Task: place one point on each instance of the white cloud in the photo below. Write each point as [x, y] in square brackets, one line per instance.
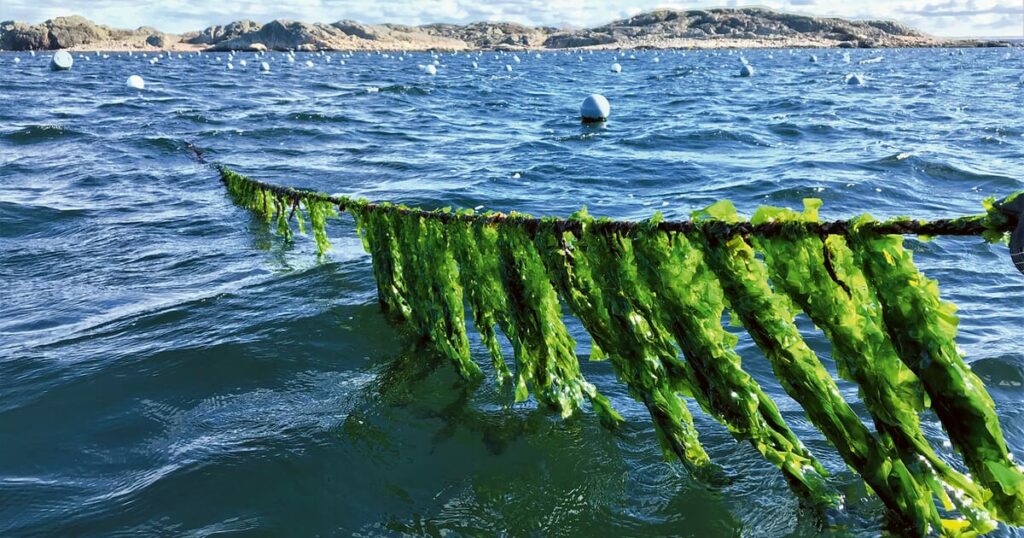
[940, 17]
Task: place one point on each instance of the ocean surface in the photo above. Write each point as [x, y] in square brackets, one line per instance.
[170, 368]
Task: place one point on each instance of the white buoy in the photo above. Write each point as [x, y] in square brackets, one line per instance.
[616, 68]
[17, 60]
[515, 58]
[474, 65]
[265, 67]
[136, 82]
[855, 79]
[814, 59]
[309, 63]
[230, 66]
[430, 69]
[242, 63]
[656, 59]
[595, 108]
[61, 61]
[747, 70]
[291, 59]
[508, 67]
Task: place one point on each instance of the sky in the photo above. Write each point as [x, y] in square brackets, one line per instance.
[955, 18]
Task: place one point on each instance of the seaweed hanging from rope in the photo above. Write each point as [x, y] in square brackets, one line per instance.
[769, 321]
[923, 330]
[652, 295]
[641, 355]
[545, 352]
[821, 277]
[690, 304]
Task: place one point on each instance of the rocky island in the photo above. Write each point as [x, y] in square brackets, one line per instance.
[663, 28]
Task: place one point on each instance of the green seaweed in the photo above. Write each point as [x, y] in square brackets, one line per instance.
[996, 220]
[641, 353]
[545, 352]
[273, 207]
[923, 329]
[768, 320]
[319, 211]
[432, 288]
[823, 280]
[475, 248]
[690, 302]
[376, 231]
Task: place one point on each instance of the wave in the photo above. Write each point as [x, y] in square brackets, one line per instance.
[933, 168]
[40, 133]
[404, 89]
[696, 139]
[318, 117]
[163, 144]
[20, 220]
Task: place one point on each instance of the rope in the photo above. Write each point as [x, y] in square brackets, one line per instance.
[1010, 211]
[962, 226]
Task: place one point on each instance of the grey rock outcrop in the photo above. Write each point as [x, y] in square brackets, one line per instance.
[72, 32]
[66, 32]
[746, 23]
[216, 34]
[284, 35]
[22, 36]
[485, 35]
[57, 33]
[744, 27]
[372, 32]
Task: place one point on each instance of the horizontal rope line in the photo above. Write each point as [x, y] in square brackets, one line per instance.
[962, 226]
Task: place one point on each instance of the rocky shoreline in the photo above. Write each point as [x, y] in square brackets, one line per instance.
[663, 28]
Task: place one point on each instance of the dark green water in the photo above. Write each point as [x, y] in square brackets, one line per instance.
[169, 368]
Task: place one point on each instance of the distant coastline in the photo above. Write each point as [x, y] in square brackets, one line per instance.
[659, 29]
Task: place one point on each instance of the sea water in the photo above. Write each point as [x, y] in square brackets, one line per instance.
[168, 367]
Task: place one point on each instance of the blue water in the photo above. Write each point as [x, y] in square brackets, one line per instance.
[168, 367]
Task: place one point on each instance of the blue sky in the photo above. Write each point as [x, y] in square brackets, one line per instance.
[939, 17]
